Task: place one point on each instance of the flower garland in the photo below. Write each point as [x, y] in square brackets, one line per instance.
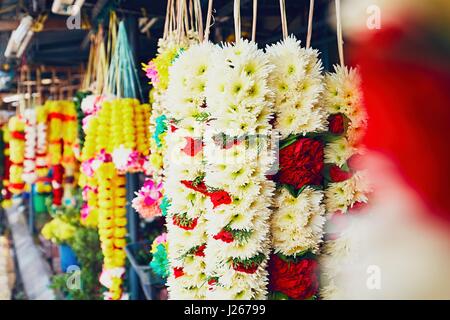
[6, 193]
[112, 223]
[239, 102]
[130, 138]
[16, 127]
[186, 233]
[298, 218]
[62, 137]
[43, 183]
[29, 164]
[157, 70]
[347, 189]
[104, 196]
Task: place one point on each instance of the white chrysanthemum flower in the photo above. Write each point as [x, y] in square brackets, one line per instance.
[343, 93]
[338, 151]
[297, 83]
[340, 196]
[297, 224]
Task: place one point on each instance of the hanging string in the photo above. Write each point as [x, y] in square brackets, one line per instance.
[166, 22]
[171, 16]
[340, 39]
[255, 14]
[310, 23]
[284, 27]
[208, 20]
[186, 19]
[192, 24]
[199, 19]
[237, 20]
[179, 19]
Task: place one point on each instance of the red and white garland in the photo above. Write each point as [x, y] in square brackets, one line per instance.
[29, 164]
[237, 154]
[297, 83]
[186, 224]
[347, 189]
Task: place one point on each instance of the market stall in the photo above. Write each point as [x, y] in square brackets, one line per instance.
[192, 150]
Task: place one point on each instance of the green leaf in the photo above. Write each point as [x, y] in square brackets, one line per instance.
[276, 295]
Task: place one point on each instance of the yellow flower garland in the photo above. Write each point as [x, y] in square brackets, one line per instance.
[16, 149]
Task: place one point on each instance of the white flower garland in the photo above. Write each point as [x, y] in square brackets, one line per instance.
[297, 83]
[240, 105]
[29, 164]
[297, 223]
[342, 96]
[186, 233]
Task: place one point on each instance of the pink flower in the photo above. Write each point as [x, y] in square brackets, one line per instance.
[152, 73]
[103, 156]
[162, 238]
[86, 167]
[85, 211]
[148, 199]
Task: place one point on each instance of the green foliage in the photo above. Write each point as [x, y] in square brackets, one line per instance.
[85, 243]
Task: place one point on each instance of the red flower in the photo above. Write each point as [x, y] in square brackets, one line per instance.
[190, 226]
[178, 272]
[246, 269]
[193, 146]
[225, 236]
[358, 206]
[219, 197]
[336, 124]
[339, 175]
[297, 280]
[301, 163]
[200, 187]
[18, 135]
[200, 251]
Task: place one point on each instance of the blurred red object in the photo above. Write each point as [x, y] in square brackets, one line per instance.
[406, 87]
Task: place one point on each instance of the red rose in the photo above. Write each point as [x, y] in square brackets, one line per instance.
[219, 197]
[336, 124]
[192, 147]
[297, 280]
[178, 272]
[339, 175]
[301, 163]
[225, 236]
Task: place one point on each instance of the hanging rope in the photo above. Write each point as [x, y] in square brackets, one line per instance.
[255, 15]
[123, 76]
[310, 23]
[284, 27]
[237, 20]
[208, 20]
[166, 22]
[340, 39]
[199, 17]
